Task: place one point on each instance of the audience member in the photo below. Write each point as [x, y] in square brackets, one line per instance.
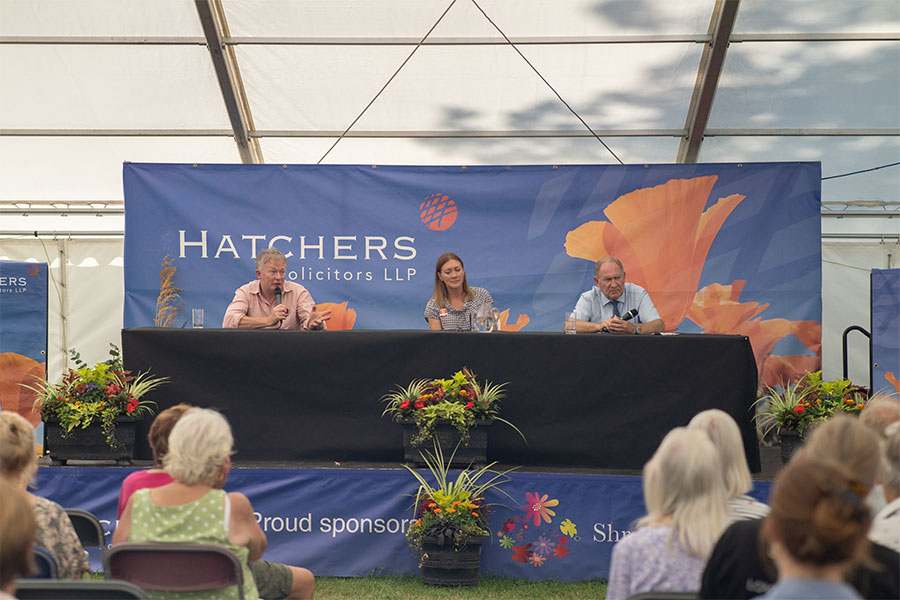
[274, 581]
[55, 533]
[726, 437]
[880, 412]
[740, 567]
[886, 524]
[18, 528]
[816, 530]
[686, 510]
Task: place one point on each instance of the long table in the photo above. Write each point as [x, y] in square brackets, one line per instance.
[590, 401]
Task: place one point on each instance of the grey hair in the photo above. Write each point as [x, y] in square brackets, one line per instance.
[726, 437]
[608, 259]
[854, 448]
[683, 480]
[268, 255]
[198, 446]
[880, 411]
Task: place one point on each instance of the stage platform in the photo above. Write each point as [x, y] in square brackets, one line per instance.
[349, 519]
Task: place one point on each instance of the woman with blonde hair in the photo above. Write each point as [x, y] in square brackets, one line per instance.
[18, 529]
[18, 463]
[723, 432]
[454, 303]
[194, 507]
[685, 499]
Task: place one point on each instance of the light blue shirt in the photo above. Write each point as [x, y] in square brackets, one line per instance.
[800, 589]
[595, 307]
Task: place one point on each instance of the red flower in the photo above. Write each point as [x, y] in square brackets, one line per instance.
[129, 408]
[509, 525]
[560, 551]
[419, 403]
[522, 553]
[404, 404]
[799, 410]
[470, 405]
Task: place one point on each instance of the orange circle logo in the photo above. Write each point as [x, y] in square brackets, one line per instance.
[438, 212]
[33, 270]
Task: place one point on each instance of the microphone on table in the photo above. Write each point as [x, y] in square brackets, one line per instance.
[626, 317]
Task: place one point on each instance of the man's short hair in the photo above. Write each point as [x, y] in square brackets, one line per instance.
[602, 261]
[267, 255]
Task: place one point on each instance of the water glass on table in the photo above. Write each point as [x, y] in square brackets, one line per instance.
[197, 318]
[569, 323]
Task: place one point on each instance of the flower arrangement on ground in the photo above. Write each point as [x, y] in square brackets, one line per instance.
[451, 512]
[459, 399]
[102, 392]
[809, 401]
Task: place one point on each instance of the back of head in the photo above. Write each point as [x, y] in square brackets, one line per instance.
[843, 440]
[817, 514]
[18, 527]
[198, 445]
[726, 437]
[880, 412]
[683, 481]
[891, 472]
[161, 428]
[17, 454]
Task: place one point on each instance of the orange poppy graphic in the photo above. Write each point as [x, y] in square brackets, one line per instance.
[438, 212]
[662, 235]
[342, 318]
[521, 321]
[716, 309]
[16, 369]
[893, 381]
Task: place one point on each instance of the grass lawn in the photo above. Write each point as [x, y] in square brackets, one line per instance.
[410, 588]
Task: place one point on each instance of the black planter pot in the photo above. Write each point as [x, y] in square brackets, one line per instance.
[473, 452]
[89, 443]
[451, 565]
[790, 441]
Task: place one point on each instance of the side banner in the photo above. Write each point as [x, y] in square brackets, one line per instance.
[351, 522]
[886, 331]
[721, 248]
[23, 344]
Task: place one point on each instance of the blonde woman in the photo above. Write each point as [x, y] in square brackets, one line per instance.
[18, 463]
[723, 432]
[454, 303]
[19, 527]
[685, 499]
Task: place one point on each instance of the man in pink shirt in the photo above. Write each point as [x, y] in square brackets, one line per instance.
[270, 302]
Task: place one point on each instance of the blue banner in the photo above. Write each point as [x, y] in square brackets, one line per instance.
[721, 248]
[352, 522]
[23, 345]
[886, 331]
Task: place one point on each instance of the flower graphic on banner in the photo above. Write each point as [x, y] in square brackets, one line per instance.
[438, 212]
[16, 369]
[521, 322]
[342, 318]
[662, 235]
[893, 381]
[717, 310]
[534, 538]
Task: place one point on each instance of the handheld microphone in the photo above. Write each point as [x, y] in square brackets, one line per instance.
[277, 295]
[626, 317]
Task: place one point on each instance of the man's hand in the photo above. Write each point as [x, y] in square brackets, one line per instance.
[617, 325]
[317, 319]
[278, 314]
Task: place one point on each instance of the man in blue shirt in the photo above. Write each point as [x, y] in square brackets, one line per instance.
[600, 308]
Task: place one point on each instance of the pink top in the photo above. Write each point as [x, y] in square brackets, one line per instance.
[248, 302]
[138, 481]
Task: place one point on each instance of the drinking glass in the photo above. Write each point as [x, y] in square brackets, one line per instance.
[569, 323]
[197, 318]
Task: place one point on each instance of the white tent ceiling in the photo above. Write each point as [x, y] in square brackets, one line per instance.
[89, 84]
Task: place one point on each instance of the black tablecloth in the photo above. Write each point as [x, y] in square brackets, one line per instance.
[594, 401]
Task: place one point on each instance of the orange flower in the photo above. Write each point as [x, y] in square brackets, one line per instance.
[419, 522]
[474, 514]
[662, 235]
[521, 321]
[437, 510]
[893, 381]
[780, 370]
[450, 510]
[342, 318]
[15, 369]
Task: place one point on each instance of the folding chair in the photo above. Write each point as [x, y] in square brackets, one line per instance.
[174, 567]
[45, 563]
[90, 531]
[54, 589]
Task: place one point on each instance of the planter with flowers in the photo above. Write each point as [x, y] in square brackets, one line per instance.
[456, 412]
[451, 525]
[792, 409]
[90, 414]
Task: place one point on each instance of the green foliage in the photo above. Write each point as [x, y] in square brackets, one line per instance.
[410, 587]
[91, 393]
[451, 510]
[459, 399]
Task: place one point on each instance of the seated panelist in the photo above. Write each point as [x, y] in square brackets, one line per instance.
[270, 302]
[613, 306]
[454, 303]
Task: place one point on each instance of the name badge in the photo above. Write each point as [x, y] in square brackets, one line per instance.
[443, 312]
